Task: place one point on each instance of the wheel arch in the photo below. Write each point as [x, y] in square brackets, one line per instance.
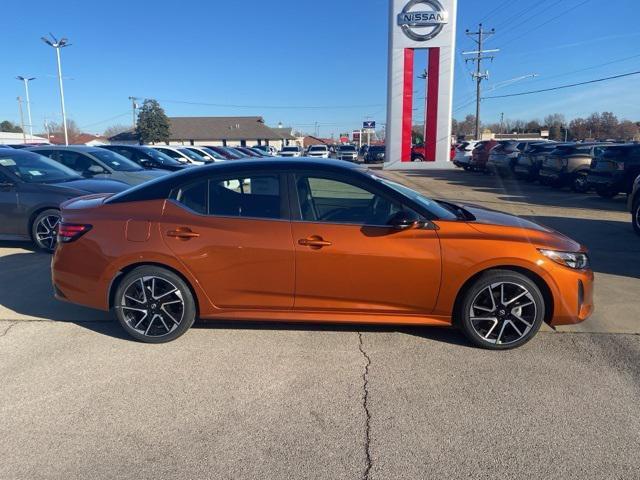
[530, 274]
[117, 279]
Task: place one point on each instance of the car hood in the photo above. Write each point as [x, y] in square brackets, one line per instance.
[498, 224]
[140, 176]
[86, 186]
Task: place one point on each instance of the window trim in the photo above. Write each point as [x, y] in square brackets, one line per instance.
[285, 211]
[296, 212]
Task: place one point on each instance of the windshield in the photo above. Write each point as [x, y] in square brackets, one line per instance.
[162, 158]
[376, 149]
[193, 156]
[115, 161]
[290, 149]
[347, 148]
[212, 153]
[431, 205]
[33, 168]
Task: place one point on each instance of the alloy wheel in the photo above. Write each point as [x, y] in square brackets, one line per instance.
[152, 306]
[47, 230]
[503, 313]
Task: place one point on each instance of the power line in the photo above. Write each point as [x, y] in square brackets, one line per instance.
[528, 18]
[105, 121]
[285, 107]
[488, 15]
[520, 13]
[565, 86]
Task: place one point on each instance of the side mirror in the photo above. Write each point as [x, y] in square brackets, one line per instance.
[94, 170]
[145, 163]
[404, 220]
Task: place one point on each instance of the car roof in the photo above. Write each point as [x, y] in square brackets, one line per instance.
[72, 148]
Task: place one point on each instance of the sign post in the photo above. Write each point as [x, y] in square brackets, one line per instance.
[416, 26]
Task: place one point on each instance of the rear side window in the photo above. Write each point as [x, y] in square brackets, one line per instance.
[194, 196]
[255, 196]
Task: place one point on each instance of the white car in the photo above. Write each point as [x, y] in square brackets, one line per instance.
[463, 154]
[291, 151]
[182, 154]
[268, 149]
[318, 151]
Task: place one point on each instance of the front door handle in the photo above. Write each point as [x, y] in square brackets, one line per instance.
[314, 241]
[182, 234]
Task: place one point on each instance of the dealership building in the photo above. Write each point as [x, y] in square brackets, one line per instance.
[220, 131]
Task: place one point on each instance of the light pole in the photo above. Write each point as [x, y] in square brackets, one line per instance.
[58, 44]
[26, 81]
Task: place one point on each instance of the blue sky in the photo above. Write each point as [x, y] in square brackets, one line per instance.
[288, 53]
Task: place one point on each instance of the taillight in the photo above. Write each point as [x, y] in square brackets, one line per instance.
[68, 232]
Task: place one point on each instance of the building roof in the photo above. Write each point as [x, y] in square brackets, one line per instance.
[221, 128]
[311, 140]
[284, 133]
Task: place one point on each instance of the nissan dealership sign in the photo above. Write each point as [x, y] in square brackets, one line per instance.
[422, 20]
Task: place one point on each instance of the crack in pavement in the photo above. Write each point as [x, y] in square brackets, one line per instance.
[365, 406]
[6, 330]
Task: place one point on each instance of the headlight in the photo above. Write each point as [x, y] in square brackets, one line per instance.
[575, 260]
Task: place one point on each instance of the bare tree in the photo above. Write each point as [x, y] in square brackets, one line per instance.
[115, 130]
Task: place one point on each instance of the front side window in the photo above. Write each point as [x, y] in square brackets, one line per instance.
[335, 201]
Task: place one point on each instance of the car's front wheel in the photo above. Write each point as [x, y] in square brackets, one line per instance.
[502, 309]
[579, 182]
[154, 305]
[44, 229]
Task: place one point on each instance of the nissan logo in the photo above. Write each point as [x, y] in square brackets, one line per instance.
[422, 25]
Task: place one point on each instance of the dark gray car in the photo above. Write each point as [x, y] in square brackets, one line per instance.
[32, 187]
[99, 163]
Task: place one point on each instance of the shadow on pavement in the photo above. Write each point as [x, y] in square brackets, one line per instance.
[512, 190]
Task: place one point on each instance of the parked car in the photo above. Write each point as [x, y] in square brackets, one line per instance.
[290, 151]
[480, 155]
[503, 157]
[248, 152]
[225, 152]
[260, 153]
[614, 169]
[495, 276]
[362, 151]
[419, 152]
[634, 205]
[207, 154]
[270, 150]
[568, 165]
[462, 156]
[346, 152]
[32, 187]
[374, 154]
[529, 161]
[146, 157]
[318, 151]
[181, 154]
[99, 163]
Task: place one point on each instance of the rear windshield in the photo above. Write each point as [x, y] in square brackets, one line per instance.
[290, 149]
[318, 147]
[376, 149]
[347, 148]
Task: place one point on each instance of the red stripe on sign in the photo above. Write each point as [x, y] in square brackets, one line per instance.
[407, 105]
[431, 133]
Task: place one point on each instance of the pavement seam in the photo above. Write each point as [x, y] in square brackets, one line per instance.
[365, 406]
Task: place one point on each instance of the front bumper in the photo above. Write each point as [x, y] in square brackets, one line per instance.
[573, 299]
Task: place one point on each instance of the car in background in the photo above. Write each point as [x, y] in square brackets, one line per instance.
[462, 156]
[614, 169]
[225, 152]
[503, 156]
[26, 145]
[270, 150]
[318, 151]
[260, 153]
[568, 165]
[495, 276]
[529, 161]
[181, 154]
[346, 152]
[99, 163]
[480, 155]
[290, 151]
[247, 152]
[32, 187]
[374, 154]
[634, 205]
[206, 153]
[146, 157]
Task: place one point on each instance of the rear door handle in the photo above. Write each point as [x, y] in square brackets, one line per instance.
[315, 241]
[182, 234]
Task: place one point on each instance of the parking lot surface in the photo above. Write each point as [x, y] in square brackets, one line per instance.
[79, 399]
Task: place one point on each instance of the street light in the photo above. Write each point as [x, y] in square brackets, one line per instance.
[58, 44]
[26, 81]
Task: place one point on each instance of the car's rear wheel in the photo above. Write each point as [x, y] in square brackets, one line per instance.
[154, 305]
[636, 216]
[502, 309]
[44, 229]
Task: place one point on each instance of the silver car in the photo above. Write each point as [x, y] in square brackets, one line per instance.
[99, 163]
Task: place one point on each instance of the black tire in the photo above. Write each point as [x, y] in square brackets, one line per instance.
[44, 230]
[635, 216]
[579, 182]
[505, 325]
[158, 323]
[606, 192]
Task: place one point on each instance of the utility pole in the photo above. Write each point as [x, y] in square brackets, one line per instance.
[46, 128]
[478, 75]
[501, 122]
[134, 107]
[57, 45]
[24, 135]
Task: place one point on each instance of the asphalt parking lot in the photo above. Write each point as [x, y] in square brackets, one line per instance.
[79, 399]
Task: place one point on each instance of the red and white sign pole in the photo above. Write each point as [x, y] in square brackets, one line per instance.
[420, 27]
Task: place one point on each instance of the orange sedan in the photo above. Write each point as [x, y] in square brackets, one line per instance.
[313, 241]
